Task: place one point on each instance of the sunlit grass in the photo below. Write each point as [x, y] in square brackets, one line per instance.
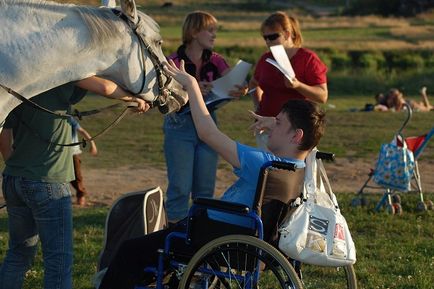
[392, 251]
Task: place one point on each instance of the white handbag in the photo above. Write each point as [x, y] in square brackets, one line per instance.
[316, 232]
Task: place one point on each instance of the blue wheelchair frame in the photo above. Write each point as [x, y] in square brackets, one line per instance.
[220, 206]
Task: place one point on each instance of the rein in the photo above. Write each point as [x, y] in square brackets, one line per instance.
[76, 113]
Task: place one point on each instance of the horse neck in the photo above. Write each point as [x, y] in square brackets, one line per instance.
[50, 46]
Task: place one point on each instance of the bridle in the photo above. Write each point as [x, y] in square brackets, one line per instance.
[164, 93]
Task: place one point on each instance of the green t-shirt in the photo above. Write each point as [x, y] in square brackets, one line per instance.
[35, 153]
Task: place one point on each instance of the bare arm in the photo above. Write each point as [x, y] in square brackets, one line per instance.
[256, 94]
[315, 93]
[6, 140]
[110, 89]
[93, 149]
[205, 126]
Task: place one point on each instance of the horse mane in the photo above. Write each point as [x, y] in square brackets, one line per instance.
[100, 24]
[99, 21]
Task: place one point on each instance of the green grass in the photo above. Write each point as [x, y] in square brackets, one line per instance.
[392, 251]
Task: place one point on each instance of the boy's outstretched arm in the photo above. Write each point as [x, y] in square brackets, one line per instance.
[206, 128]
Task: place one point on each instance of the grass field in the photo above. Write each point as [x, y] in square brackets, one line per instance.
[393, 251]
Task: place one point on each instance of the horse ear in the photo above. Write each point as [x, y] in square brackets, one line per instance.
[128, 7]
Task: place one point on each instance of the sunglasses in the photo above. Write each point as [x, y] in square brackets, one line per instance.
[271, 37]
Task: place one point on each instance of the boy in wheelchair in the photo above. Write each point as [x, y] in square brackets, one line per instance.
[293, 133]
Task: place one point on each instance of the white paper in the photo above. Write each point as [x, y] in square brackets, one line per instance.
[219, 94]
[236, 76]
[281, 61]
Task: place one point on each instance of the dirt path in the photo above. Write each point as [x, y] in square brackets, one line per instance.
[105, 185]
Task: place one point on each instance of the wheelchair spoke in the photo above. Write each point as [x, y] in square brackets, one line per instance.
[246, 263]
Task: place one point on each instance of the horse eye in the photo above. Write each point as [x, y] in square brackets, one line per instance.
[159, 42]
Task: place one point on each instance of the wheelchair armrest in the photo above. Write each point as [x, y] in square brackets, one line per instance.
[222, 205]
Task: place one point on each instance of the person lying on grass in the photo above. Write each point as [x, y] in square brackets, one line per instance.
[293, 133]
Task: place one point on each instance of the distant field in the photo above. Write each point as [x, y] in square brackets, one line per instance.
[240, 21]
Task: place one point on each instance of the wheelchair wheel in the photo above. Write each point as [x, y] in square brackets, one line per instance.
[235, 261]
[314, 276]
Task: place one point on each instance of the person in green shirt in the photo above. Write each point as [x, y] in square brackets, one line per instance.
[36, 181]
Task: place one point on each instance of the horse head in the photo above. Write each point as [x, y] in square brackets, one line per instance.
[157, 87]
[57, 43]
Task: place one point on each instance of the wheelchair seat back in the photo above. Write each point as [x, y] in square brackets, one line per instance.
[277, 185]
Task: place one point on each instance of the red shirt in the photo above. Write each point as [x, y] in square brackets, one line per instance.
[308, 69]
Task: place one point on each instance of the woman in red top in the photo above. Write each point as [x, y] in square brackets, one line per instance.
[273, 89]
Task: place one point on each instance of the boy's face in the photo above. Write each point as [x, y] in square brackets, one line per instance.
[282, 135]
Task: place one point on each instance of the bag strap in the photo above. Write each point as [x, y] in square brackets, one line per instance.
[316, 180]
[328, 190]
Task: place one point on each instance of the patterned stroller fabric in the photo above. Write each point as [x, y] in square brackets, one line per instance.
[395, 166]
[390, 174]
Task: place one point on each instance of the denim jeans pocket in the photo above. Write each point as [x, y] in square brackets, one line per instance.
[41, 192]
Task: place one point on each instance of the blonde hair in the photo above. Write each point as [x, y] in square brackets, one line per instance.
[279, 20]
[194, 23]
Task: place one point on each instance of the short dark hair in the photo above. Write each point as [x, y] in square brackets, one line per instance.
[306, 115]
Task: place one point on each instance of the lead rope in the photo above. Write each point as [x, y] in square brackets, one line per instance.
[76, 113]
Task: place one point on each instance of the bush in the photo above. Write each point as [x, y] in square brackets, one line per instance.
[340, 60]
[371, 61]
[407, 60]
[325, 58]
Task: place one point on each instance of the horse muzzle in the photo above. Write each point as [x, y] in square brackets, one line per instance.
[171, 99]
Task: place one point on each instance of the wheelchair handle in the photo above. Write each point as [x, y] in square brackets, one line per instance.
[325, 156]
[281, 165]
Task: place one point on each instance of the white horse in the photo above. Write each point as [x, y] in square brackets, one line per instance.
[46, 44]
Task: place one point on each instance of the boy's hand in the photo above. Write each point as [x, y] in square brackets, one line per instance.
[179, 74]
[262, 123]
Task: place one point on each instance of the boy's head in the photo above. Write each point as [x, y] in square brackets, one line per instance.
[300, 123]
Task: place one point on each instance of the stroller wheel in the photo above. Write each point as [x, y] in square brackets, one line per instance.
[365, 202]
[421, 207]
[429, 205]
[390, 209]
[398, 208]
[396, 199]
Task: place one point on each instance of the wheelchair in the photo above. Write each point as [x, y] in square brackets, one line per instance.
[233, 255]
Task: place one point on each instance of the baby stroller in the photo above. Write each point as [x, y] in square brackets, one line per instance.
[390, 199]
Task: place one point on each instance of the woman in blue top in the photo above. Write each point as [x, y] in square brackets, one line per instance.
[293, 133]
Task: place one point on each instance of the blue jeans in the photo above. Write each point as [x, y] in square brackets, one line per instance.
[191, 166]
[37, 210]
